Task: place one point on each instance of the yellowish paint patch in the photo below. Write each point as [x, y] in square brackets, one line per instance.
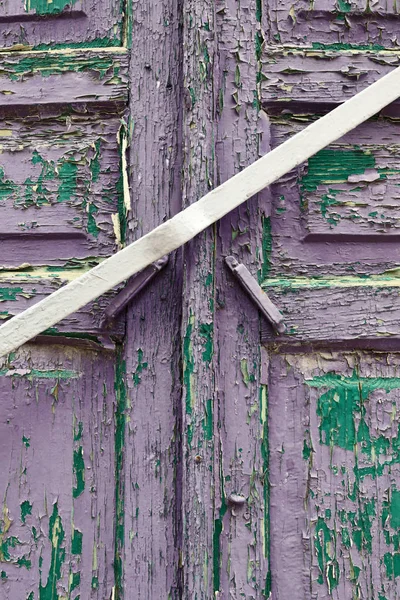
[125, 181]
[94, 558]
[25, 51]
[6, 132]
[16, 274]
[117, 227]
[341, 282]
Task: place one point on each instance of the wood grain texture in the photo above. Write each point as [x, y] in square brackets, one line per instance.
[60, 179]
[241, 533]
[331, 267]
[225, 436]
[181, 228]
[20, 291]
[338, 211]
[61, 199]
[60, 189]
[332, 23]
[57, 488]
[149, 479]
[200, 471]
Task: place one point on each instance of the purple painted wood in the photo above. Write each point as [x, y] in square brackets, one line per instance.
[241, 418]
[150, 546]
[327, 22]
[201, 475]
[61, 199]
[58, 176]
[44, 24]
[226, 546]
[334, 474]
[84, 77]
[57, 445]
[331, 265]
[142, 470]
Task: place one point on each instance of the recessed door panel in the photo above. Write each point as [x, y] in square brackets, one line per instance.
[60, 187]
[43, 24]
[334, 475]
[57, 473]
[333, 24]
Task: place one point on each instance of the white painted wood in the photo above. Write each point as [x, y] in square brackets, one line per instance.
[185, 225]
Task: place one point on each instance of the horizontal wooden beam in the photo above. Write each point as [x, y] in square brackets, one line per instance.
[63, 76]
[188, 223]
[336, 309]
[309, 76]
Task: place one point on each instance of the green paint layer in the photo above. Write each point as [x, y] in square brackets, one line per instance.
[56, 537]
[120, 424]
[334, 166]
[26, 509]
[79, 472]
[48, 7]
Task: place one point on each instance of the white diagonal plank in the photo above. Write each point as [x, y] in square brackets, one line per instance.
[185, 225]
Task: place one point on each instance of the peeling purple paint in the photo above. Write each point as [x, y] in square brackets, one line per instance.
[43, 24]
[143, 456]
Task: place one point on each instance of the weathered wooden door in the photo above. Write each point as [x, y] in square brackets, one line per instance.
[331, 265]
[63, 92]
[187, 451]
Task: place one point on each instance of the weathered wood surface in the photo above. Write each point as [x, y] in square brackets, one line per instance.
[61, 203]
[57, 487]
[61, 23]
[225, 547]
[334, 24]
[63, 199]
[334, 474]
[333, 310]
[241, 532]
[331, 260]
[320, 76]
[200, 480]
[64, 76]
[26, 288]
[337, 210]
[167, 463]
[183, 227]
[149, 458]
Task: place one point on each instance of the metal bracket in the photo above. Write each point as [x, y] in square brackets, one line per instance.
[132, 288]
[257, 294]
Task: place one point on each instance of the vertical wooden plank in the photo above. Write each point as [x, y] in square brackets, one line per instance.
[198, 304]
[149, 417]
[241, 531]
[225, 445]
